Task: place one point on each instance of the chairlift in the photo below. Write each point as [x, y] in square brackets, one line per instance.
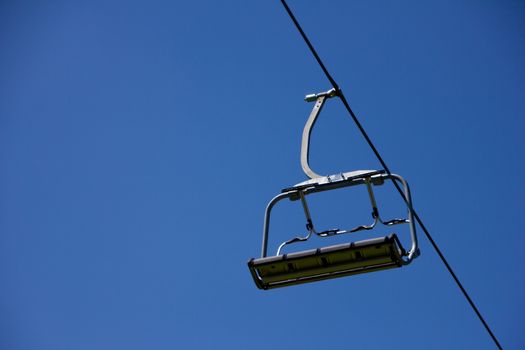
[339, 260]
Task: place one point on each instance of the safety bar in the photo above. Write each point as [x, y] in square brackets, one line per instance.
[301, 190]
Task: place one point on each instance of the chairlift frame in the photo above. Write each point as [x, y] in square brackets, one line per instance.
[339, 260]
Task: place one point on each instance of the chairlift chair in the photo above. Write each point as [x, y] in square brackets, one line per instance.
[333, 261]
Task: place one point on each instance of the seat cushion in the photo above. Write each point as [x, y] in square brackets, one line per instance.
[328, 262]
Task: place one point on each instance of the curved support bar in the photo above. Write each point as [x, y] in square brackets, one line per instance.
[395, 222]
[294, 240]
[364, 227]
[309, 225]
[267, 213]
[414, 250]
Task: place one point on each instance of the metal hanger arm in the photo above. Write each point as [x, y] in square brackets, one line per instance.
[307, 131]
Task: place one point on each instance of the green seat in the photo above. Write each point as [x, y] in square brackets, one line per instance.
[328, 262]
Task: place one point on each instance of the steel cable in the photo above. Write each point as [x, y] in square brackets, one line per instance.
[387, 170]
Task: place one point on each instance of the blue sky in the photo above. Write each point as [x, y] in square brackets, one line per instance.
[140, 143]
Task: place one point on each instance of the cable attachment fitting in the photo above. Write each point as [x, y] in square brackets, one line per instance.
[329, 94]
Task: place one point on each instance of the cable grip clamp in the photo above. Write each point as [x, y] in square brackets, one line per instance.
[330, 93]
